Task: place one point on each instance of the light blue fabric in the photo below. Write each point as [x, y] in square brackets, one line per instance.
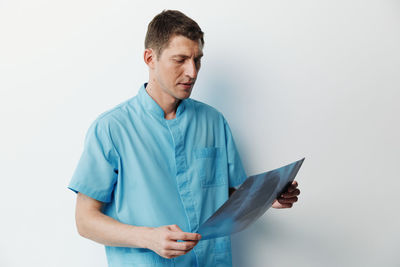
[150, 171]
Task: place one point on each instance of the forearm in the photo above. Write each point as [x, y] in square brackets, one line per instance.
[108, 231]
[95, 225]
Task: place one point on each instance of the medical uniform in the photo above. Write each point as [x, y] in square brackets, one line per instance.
[150, 171]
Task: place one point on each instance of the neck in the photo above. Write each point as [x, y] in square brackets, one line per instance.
[168, 103]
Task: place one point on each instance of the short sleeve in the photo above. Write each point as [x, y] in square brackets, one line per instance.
[97, 169]
[236, 172]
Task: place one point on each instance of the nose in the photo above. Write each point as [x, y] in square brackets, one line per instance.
[191, 69]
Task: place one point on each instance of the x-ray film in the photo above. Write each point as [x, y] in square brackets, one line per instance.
[251, 200]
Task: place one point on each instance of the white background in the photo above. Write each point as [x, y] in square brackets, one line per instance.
[318, 79]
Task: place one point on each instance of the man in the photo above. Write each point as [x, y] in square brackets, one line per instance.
[159, 164]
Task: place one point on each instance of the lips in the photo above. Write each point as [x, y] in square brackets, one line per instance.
[186, 85]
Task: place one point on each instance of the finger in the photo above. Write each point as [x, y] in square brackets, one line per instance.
[192, 236]
[184, 236]
[182, 246]
[286, 206]
[294, 193]
[169, 254]
[293, 186]
[174, 227]
[287, 200]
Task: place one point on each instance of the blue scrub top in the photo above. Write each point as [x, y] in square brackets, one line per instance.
[150, 171]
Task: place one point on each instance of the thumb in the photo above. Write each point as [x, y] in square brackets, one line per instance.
[175, 228]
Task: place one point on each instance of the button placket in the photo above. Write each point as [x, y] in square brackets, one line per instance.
[182, 179]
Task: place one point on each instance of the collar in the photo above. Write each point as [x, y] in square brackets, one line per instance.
[149, 104]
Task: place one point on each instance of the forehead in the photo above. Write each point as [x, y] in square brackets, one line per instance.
[181, 45]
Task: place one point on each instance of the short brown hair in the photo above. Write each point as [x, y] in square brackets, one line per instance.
[167, 24]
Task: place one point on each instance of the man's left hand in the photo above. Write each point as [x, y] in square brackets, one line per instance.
[288, 198]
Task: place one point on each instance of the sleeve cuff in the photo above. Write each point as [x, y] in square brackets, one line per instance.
[98, 195]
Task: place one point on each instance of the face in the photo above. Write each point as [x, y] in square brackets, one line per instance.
[175, 71]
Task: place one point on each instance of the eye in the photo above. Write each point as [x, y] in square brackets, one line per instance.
[197, 62]
[180, 61]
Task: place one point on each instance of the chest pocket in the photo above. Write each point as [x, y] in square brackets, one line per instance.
[209, 162]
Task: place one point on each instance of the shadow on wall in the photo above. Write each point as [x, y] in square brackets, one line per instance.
[273, 243]
[219, 89]
[270, 241]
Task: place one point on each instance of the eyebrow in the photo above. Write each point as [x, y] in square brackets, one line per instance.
[185, 56]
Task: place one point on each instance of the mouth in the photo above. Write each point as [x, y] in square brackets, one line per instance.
[187, 85]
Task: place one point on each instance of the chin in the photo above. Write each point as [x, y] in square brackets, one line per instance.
[186, 96]
[183, 95]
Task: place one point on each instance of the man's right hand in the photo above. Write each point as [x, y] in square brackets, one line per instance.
[95, 225]
[164, 241]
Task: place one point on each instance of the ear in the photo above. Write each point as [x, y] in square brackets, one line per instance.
[149, 57]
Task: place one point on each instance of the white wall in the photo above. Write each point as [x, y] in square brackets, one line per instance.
[318, 79]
